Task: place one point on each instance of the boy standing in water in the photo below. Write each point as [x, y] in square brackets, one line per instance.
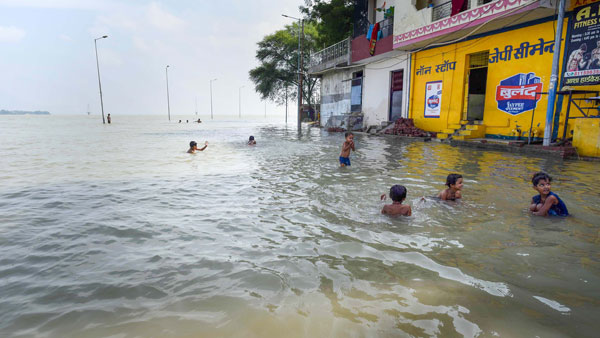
[455, 184]
[251, 141]
[546, 203]
[346, 148]
[398, 195]
[194, 147]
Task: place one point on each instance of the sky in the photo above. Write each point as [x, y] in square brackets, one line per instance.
[47, 59]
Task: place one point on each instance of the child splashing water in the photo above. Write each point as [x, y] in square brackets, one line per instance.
[398, 195]
[453, 192]
[546, 203]
[194, 147]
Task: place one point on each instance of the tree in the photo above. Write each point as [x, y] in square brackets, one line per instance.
[333, 19]
[278, 69]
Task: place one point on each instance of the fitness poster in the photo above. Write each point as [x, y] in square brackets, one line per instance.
[583, 47]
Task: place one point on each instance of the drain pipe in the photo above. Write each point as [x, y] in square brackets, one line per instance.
[554, 76]
[408, 84]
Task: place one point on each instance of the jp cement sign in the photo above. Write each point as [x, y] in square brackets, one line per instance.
[517, 94]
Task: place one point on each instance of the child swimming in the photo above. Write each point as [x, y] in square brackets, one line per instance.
[251, 141]
[398, 195]
[346, 148]
[546, 203]
[194, 147]
[455, 184]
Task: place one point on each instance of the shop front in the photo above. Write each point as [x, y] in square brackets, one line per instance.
[490, 86]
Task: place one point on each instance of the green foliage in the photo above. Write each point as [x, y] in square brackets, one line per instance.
[277, 54]
[333, 19]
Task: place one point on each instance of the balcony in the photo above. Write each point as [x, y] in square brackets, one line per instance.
[360, 44]
[445, 10]
[337, 55]
[434, 23]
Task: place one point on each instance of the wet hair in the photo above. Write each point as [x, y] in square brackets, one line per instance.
[347, 134]
[452, 179]
[251, 138]
[537, 177]
[193, 143]
[397, 193]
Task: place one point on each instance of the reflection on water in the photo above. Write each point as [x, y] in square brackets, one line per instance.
[116, 231]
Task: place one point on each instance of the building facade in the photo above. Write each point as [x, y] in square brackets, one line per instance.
[484, 71]
[466, 69]
[363, 76]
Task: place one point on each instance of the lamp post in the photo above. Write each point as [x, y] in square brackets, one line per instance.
[300, 66]
[286, 105]
[240, 101]
[168, 101]
[98, 68]
[211, 101]
[554, 77]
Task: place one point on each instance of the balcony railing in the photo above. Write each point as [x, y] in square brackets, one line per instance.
[445, 10]
[330, 56]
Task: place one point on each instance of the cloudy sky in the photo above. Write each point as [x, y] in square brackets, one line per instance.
[47, 57]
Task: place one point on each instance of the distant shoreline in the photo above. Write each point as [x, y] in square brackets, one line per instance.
[22, 112]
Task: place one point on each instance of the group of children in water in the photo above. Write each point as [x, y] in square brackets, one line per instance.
[546, 203]
[194, 145]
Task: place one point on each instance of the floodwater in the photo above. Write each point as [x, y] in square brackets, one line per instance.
[116, 231]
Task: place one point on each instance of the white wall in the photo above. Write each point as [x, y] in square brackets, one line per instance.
[376, 88]
[375, 16]
[408, 18]
[335, 93]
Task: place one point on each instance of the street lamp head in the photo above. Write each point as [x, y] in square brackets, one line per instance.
[104, 36]
[168, 66]
[291, 17]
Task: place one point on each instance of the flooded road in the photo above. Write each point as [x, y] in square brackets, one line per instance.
[116, 231]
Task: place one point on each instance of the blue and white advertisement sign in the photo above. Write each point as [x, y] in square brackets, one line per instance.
[433, 99]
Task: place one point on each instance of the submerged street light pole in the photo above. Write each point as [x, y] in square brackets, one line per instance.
[168, 101]
[98, 68]
[211, 103]
[240, 101]
[300, 67]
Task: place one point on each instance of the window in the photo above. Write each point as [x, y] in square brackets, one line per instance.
[356, 93]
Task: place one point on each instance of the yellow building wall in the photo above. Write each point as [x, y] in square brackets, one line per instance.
[586, 137]
[453, 103]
